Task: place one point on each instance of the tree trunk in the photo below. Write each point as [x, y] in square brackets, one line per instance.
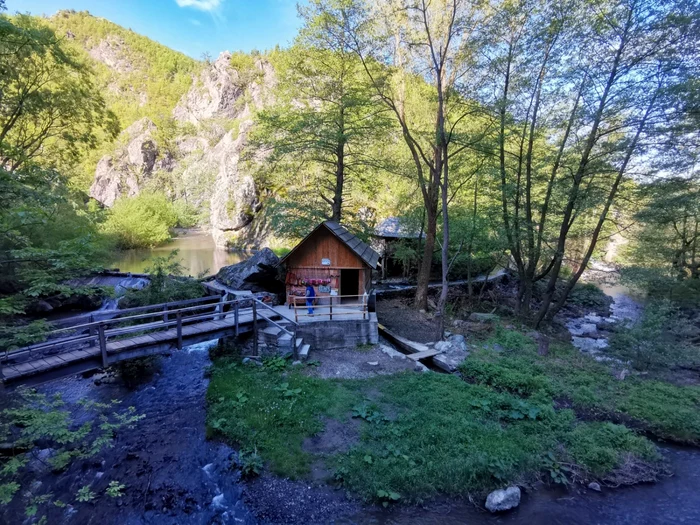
[427, 262]
[339, 174]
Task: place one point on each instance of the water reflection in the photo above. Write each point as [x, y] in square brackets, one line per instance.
[196, 251]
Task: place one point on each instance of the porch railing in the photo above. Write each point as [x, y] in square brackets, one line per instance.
[323, 310]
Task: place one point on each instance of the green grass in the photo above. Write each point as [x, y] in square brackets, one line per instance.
[666, 410]
[422, 434]
[248, 405]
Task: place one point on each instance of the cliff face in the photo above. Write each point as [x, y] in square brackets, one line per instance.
[205, 162]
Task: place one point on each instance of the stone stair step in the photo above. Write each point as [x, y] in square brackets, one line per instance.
[304, 352]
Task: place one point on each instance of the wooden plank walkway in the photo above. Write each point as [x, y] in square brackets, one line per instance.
[138, 345]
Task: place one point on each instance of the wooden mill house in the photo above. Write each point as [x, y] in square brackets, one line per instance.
[336, 263]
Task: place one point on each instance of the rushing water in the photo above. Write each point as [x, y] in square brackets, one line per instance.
[196, 251]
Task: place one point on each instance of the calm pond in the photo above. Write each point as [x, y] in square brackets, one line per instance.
[196, 251]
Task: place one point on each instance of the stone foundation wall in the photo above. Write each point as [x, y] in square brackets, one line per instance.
[327, 335]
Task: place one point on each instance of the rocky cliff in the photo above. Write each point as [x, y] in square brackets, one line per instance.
[205, 165]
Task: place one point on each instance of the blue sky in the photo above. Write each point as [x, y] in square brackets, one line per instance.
[190, 26]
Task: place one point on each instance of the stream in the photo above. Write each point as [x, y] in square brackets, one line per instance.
[174, 475]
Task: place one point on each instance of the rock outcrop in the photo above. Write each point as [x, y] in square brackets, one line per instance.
[112, 53]
[213, 94]
[219, 108]
[123, 173]
[257, 274]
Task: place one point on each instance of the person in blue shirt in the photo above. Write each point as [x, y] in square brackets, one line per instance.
[310, 296]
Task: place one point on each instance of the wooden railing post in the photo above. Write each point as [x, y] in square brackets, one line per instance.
[165, 313]
[235, 315]
[103, 343]
[221, 306]
[179, 330]
[255, 327]
[92, 330]
[331, 314]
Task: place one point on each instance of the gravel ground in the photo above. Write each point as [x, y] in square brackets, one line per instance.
[400, 317]
[357, 363]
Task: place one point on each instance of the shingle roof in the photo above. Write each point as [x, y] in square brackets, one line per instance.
[395, 228]
[360, 248]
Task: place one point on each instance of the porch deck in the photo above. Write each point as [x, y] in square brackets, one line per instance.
[322, 313]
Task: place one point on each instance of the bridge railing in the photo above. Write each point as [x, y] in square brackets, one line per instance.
[154, 318]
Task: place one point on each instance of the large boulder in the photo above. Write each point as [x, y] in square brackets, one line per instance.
[452, 352]
[503, 499]
[257, 274]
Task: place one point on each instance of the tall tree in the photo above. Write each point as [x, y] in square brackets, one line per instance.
[416, 45]
[50, 107]
[50, 113]
[323, 126]
[580, 86]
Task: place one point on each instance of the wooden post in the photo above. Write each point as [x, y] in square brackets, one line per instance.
[165, 313]
[235, 315]
[221, 306]
[331, 314]
[296, 312]
[92, 330]
[103, 343]
[364, 306]
[294, 343]
[179, 330]
[255, 328]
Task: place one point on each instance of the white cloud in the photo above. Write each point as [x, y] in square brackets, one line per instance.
[202, 5]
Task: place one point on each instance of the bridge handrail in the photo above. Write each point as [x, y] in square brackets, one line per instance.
[96, 326]
[288, 332]
[159, 306]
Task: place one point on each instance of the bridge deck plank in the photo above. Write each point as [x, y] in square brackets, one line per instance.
[39, 365]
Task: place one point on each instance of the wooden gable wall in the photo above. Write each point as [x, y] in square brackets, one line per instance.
[322, 244]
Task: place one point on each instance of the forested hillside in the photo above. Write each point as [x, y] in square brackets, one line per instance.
[137, 76]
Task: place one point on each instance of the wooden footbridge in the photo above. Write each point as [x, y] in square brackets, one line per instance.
[111, 336]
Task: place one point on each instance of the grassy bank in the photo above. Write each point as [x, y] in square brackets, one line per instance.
[514, 417]
[566, 377]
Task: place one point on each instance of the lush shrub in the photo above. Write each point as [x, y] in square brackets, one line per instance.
[659, 284]
[187, 215]
[168, 283]
[588, 295]
[142, 221]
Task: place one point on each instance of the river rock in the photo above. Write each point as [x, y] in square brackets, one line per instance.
[458, 341]
[483, 317]
[452, 353]
[259, 273]
[391, 352]
[594, 486]
[503, 499]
